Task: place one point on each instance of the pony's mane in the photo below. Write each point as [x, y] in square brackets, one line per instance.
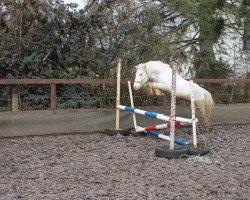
[158, 64]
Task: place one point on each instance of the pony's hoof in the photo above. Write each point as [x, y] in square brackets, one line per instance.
[158, 92]
[206, 130]
[150, 94]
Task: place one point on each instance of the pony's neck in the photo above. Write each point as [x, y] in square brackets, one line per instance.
[157, 71]
[152, 74]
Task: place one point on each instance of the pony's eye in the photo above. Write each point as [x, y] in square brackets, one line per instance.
[140, 74]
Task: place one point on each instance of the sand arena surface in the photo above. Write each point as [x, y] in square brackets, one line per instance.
[98, 166]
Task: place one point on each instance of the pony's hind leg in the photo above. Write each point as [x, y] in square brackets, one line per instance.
[200, 104]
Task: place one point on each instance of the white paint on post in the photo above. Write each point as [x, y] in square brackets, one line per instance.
[118, 95]
[132, 103]
[173, 105]
[194, 120]
[15, 95]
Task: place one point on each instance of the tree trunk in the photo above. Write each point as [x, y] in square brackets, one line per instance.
[206, 39]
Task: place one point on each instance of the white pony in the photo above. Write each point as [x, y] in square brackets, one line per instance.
[158, 77]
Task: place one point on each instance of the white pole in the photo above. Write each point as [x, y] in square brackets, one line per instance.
[193, 114]
[154, 115]
[132, 103]
[173, 105]
[118, 94]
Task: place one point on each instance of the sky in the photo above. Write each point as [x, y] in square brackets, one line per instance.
[79, 2]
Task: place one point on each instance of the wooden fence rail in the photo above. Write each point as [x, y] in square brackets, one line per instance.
[100, 81]
[54, 82]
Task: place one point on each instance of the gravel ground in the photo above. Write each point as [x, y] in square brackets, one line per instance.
[98, 166]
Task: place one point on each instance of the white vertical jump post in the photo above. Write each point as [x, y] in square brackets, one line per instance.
[193, 114]
[132, 103]
[118, 93]
[173, 105]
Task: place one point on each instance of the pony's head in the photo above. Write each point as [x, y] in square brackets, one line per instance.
[141, 76]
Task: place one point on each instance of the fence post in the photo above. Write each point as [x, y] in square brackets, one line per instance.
[118, 94]
[53, 97]
[247, 88]
[15, 99]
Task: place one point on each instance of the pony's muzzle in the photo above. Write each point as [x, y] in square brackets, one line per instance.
[137, 86]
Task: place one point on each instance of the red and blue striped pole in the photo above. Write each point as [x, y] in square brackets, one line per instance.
[159, 127]
[153, 115]
[164, 137]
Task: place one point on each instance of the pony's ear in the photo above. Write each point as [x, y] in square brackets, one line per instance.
[141, 66]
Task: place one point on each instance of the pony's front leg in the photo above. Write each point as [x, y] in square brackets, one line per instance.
[150, 88]
[155, 89]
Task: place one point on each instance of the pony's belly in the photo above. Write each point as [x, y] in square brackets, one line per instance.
[183, 95]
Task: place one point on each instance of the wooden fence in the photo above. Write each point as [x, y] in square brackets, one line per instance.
[54, 82]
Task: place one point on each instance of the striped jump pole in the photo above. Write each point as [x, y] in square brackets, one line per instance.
[152, 114]
[164, 137]
[159, 127]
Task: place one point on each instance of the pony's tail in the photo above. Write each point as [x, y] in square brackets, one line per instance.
[209, 103]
